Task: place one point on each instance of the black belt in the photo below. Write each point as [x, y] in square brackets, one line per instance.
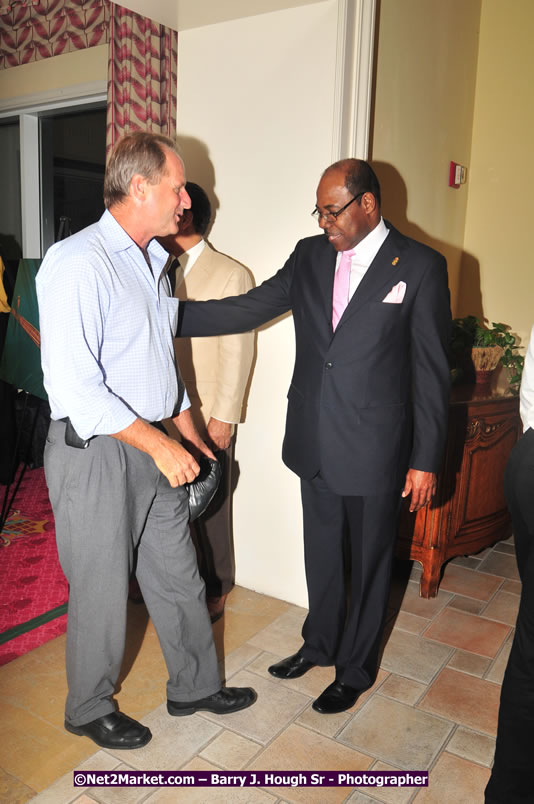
[72, 439]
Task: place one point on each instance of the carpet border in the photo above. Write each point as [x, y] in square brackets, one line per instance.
[30, 625]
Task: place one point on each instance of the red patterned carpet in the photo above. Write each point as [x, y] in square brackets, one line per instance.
[34, 590]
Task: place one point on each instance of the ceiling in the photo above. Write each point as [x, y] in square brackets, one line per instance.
[183, 14]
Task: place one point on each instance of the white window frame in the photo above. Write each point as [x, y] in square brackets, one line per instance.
[28, 109]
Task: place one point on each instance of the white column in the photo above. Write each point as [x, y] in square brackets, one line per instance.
[353, 82]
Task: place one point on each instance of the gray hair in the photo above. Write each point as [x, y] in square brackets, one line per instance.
[141, 152]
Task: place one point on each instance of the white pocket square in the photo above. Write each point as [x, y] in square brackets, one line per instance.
[396, 294]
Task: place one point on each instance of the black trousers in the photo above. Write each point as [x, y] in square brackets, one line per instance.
[344, 625]
[512, 776]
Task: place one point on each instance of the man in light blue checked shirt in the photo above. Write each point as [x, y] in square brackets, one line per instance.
[116, 480]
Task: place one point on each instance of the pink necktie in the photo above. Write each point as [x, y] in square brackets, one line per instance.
[340, 297]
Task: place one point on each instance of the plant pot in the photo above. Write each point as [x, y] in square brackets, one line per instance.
[483, 377]
[486, 358]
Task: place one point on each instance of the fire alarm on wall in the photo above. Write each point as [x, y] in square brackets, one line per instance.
[457, 175]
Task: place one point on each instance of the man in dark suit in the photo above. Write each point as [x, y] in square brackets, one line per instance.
[367, 409]
[512, 774]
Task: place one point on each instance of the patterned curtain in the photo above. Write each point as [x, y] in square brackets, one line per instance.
[142, 74]
[142, 55]
[31, 30]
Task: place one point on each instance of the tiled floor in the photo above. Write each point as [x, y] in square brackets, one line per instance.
[434, 705]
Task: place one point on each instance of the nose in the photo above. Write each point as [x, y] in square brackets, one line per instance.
[185, 199]
[322, 220]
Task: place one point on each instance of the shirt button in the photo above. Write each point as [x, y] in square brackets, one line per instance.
[328, 365]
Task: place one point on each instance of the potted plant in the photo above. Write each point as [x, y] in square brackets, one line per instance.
[478, 349]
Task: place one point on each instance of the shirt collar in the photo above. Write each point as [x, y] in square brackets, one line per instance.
[367, 249]
[120, 240]
[113, 232]
[189, 257]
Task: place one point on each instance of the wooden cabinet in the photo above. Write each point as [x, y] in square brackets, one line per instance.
[469, 510]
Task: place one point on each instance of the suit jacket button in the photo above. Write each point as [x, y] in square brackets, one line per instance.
[328, 365]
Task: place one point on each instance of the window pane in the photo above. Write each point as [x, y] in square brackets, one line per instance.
[73, 157]
[10, 217]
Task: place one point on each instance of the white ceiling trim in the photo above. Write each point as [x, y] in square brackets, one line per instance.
[38, 102]
[184, 14]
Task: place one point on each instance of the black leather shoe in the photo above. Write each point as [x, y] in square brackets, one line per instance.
[113, 731]
[292, 667]
[336, 698]
[228, 699]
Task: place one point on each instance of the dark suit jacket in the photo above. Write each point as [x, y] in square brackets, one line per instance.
[370, 400]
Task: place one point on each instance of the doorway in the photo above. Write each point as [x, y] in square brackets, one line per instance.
[73, 161]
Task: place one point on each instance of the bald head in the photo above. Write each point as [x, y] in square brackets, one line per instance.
[348, 203]
[359, 177]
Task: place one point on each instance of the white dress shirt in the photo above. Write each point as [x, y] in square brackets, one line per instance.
[526, 393]
[189, 257]
[107, 325]
[364, 254]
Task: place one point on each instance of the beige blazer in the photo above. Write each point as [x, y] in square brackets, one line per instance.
[215, 370]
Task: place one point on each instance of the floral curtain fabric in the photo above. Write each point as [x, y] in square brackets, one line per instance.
[31, 30]
[142, 62]
[141, 76]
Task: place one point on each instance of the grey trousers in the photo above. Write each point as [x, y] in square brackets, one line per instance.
[108, 499]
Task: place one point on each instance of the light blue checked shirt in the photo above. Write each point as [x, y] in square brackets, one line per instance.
[107, 328]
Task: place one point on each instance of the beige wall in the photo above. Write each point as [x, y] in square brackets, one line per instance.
[424, 96]
[499, 275]
[255, 127]
[57, 73]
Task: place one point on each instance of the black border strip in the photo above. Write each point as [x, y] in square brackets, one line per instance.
[23, 628]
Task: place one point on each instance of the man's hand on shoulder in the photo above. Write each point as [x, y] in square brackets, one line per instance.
[421, 485]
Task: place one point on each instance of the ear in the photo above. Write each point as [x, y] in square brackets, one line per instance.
[368, 203]
[138, 187]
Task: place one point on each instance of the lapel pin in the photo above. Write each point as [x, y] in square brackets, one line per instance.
[395, 261]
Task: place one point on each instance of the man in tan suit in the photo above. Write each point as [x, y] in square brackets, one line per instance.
[216, 372]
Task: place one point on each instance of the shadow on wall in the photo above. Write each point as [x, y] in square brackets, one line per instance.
[464, 268]
[200, 169]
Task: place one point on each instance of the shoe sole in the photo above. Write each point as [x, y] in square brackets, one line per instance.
[78, 731]
[191, 710]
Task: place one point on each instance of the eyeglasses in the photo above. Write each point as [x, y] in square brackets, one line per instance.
[332, 216]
